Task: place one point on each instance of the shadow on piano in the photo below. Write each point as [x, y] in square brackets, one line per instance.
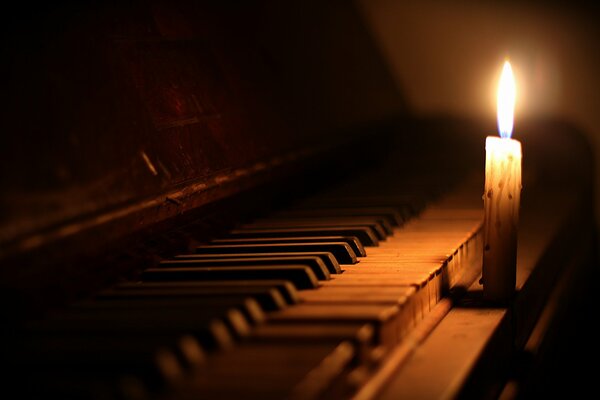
[225, 201]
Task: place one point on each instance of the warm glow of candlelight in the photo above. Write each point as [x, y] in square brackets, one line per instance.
[501, 199]
[506, 101]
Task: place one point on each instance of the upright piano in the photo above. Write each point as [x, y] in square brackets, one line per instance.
[217, 200]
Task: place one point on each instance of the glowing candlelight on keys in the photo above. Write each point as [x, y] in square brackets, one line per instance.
[501, 198]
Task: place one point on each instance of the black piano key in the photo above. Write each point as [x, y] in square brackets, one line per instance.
[331, 263]
[208, 328]
[352, 241]
[122, 351]
[83, 384]
[373, 223]
[247, 305]
[67, 379]
[285, 288]
[301, 276]
[157, 359]
[190, 352]
[342, 252]
[269, 298]
[364, 234]
[314, 262]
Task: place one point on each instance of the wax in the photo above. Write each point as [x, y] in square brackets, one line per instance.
[501, 202]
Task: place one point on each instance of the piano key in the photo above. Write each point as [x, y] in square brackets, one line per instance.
[364, 234]
[128, 350]
[406, 268]
[190, 352]
[333, 370]
[422, 299]
[407, 298]
[382, 280]
[385, 318]
[342, 252]
[285, 288]
[352, 241]
[361, 335]
[391, 278]
[358, 295]
[283, 366]
[311, 332]
[247, 305]
[68, 348]
[391, 214]
[100, 359]
[301, 276]
[269, 298]
[375, 224]
[314, 262]
[70, 385]
[83, 384]
[331, 263]
[75, 372]
[214, 328]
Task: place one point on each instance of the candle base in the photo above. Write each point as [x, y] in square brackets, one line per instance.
[499, 273]
[501, 296]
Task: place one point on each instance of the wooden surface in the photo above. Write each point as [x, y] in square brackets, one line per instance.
[405, 321]
[470, 350]
[127, 103]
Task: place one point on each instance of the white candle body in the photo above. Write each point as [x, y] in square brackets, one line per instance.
[501, 201]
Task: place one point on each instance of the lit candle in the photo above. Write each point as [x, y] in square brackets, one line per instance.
[501, 199]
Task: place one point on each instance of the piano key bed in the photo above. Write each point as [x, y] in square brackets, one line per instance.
[317, 301]
[309, 299]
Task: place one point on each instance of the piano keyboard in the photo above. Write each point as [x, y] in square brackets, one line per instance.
[304, 303]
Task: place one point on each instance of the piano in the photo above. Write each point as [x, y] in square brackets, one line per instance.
[217, 200]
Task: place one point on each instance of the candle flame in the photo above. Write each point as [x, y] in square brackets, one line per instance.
[506, 101]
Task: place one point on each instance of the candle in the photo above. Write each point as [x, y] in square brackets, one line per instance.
[501, 199]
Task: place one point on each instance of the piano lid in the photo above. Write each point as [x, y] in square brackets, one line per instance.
[114, 106]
